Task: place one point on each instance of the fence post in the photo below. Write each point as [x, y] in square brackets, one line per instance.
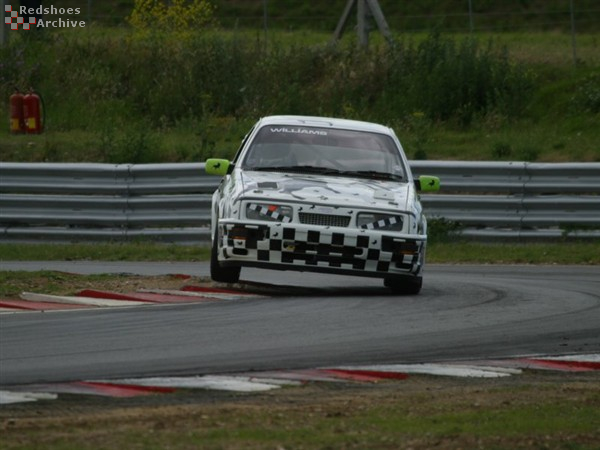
[471, 16]
[573, 45]
[265, 23]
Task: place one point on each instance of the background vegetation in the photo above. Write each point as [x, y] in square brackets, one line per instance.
[127, 93]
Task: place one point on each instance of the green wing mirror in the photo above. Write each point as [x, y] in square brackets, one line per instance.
[427, 183]
[215, 166]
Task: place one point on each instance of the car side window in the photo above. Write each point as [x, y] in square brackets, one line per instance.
[242, 144]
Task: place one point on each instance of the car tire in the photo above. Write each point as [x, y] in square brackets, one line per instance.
[218, 272]
[404, 285]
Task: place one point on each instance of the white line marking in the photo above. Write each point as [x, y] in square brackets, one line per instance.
[574, 358]
[215, 295]
[216, 382]
[439, 369]
[7, 397]
[33, 297]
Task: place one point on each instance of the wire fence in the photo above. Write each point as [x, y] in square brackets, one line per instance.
[572, 16]
[584, 21]
[470, 15]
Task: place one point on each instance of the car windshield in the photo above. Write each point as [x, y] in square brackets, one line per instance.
[324, 151]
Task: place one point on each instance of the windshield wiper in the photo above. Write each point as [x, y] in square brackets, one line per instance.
[371, 174]
[302, 169]
[331, 171]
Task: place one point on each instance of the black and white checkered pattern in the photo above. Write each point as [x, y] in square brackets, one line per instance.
[262, 210]
[383, 223]
[357, 250]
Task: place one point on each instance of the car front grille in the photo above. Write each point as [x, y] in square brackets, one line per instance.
[324, 220]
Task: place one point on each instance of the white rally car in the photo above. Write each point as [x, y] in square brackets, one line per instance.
[320, 194]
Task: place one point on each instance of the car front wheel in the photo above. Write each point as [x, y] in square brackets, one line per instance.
[404, 285]
[218, 272]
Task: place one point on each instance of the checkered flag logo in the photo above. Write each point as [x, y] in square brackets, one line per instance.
[12, 18]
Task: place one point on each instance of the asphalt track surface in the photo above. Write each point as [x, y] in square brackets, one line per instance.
[464, 312]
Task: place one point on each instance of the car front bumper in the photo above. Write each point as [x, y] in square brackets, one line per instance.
[292, 246]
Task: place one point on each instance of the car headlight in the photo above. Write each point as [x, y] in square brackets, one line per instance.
[376, 221]
[273, 213]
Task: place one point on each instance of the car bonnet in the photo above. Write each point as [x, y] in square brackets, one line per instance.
[324, 190]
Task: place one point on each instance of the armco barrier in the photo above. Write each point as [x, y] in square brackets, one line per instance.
[171, 202]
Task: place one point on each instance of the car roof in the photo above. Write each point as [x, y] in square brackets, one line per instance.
[326, 122]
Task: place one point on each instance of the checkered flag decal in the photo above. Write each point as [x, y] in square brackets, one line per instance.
[383, 223]
[14, 20]
[336, 250]
[269, 212]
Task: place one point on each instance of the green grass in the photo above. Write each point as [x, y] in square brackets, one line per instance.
[569, 141]
[139, 251]
[382, 427]
[423, 413]
[101, 109]
[13, 283]
[542, 419]
[578, 252]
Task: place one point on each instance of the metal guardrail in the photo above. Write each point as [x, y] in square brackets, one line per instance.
[171, 202]
[519, 178]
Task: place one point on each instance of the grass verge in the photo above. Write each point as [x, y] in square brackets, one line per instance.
[12, 283]
[531, 411]
[560, 252]
[138, 251]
